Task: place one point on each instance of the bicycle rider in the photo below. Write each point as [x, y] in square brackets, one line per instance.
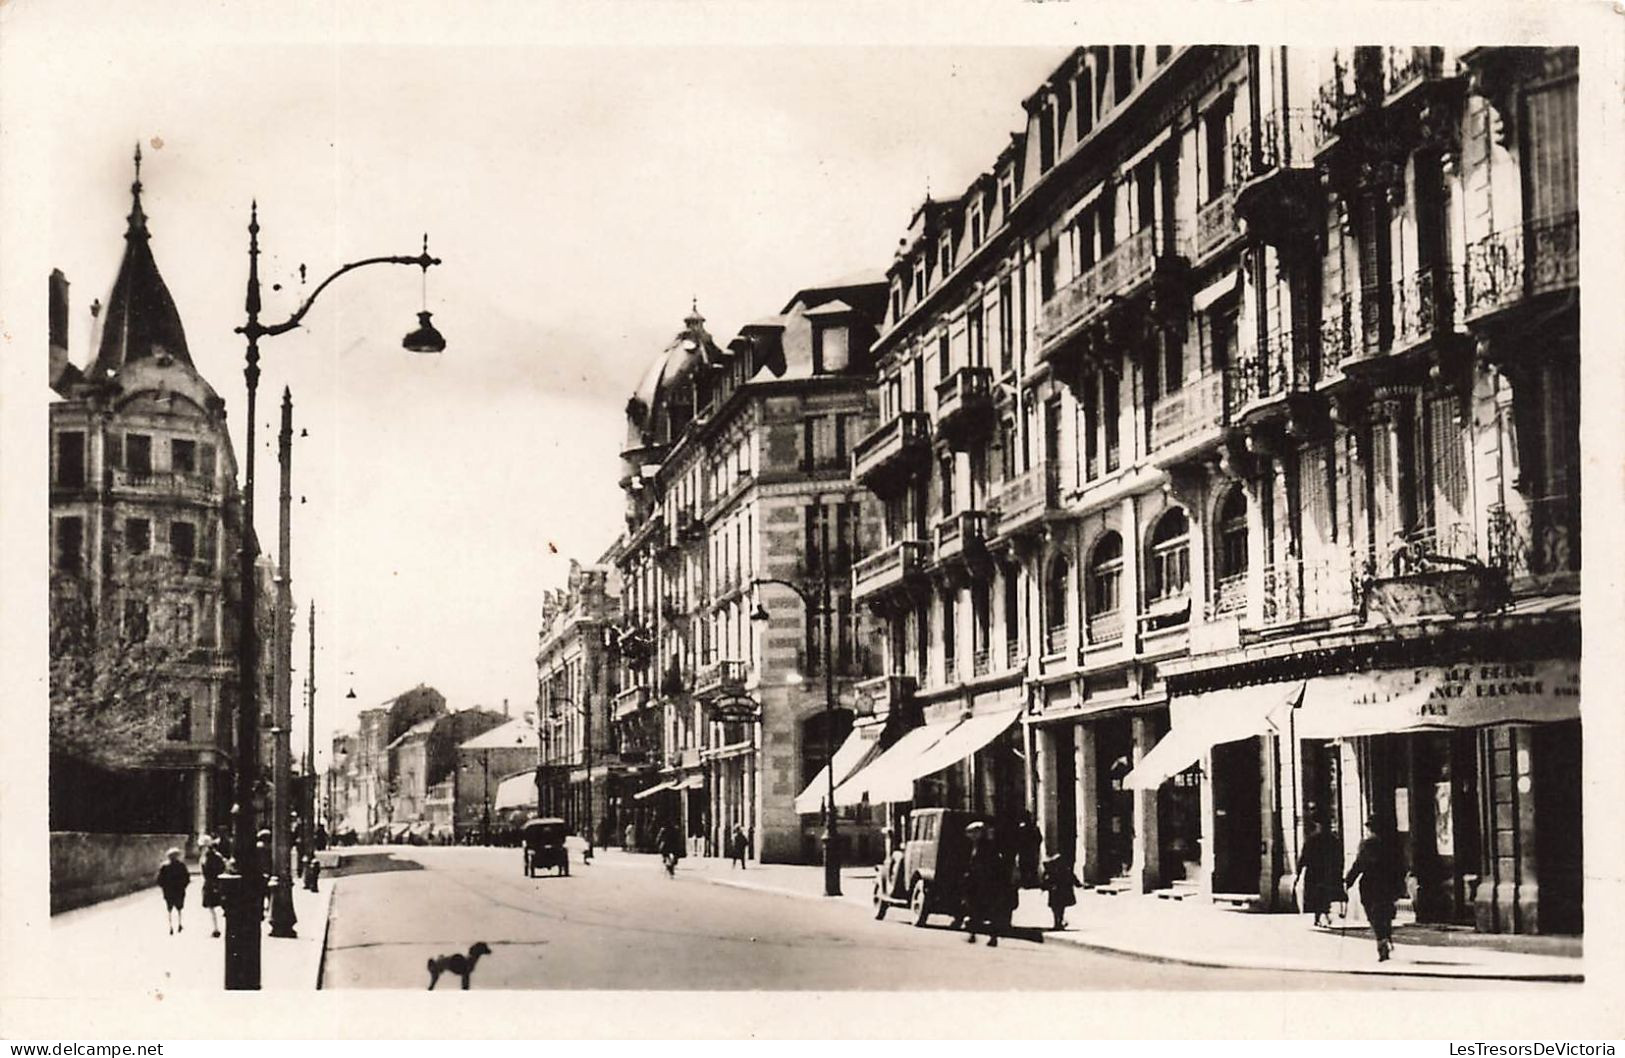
[670, 846]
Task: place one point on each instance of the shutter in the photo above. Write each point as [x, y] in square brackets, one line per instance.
[1449, 468]
[808, 426]
[1552, 119]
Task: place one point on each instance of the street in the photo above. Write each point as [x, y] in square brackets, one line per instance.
[622, 924]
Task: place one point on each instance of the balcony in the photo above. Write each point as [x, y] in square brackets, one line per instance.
[960, 535]
[1537, 542]
[1026, 500]
[1120, 275]
[194, 487]
[890, 568]
[1187, 417]
[1229, 596]
[688, 525]
[1277, 188]
[1433, 570]
[1404, 68]
[1299, 590]
[981, 661]
[1422, 308]
[1505, 269]
[1105, 629]
[629, 701]
[720, 679]
[1055, 637]
[1216, 226]
[1336, 340]
[888, 454]
[965, 405]
[1254, 378]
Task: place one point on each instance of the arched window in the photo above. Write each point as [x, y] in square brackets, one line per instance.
[1230, 552]
[1169, 572]
[1055, 605]
[1012, 619]
[1105, 589]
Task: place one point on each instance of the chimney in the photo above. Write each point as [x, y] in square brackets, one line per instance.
[504, 707]
[58, 323]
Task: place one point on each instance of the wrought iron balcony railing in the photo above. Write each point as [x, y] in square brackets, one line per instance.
[1535, 538]
[1130, 263]
[1194, 409]
[961, 532]
[1507, 266]
[1216, 224]
[1255, 375]
[1305, 589]
[1286, 140]
[1025, 498]
[1336, 338]
[1422, 307]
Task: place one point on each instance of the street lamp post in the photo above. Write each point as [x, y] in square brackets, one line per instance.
[243, 889]
[821, 606]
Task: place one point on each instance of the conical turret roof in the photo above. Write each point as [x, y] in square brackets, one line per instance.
[140, 320]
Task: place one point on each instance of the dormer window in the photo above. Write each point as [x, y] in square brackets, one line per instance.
[976, 231]
[1007, 192]
[945, 254]
[919, 281]
[896, 300]
[831, 350]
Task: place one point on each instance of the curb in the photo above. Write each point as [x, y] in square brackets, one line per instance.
[327, 929]
[1209, 962]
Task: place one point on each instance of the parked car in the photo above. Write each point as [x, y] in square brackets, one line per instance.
[924, 875]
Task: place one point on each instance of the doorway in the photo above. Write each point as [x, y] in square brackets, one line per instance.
[1114, 750]
[1238, 817]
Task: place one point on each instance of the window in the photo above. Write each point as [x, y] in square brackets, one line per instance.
[135, 620]
[981, 609]
[945, 255]
[1008, 464]
[1170, 566]
[830, 351]
[183, 629]
[1216, 155]
[70, 545]
[1122, 72]
[70, 459]
[1007, 193]
[1012, 619]
[976, 225]
[180, 706]
[1055, 605]
[1221, 337]
[950, 661]
[819, 447]
[183, 456]
[138, 454]
[206, 623]
[973, 332]
[137, 536]
[183, 540]
[944, 358]
[1049, 262]
[945, 477]
[1109, 414]
[1105, 575]
[1091, 429]
[1232, 550]
[1046, 135]
[1007, 328]
[919, 280]
[896, 301]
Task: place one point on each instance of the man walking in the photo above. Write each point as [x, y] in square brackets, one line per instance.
[1382, 882]
[173, 878]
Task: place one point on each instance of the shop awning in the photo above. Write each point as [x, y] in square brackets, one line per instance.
[1203, 721]
[516, 791]
[650, 791]
[969, 736]
[860, 747]
[888, 778]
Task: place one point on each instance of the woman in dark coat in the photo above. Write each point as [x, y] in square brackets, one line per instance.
[1029, 847]
[1382, 882]
[1062, 885]
[983, 886]
[212, 867]
[1320, 867]
[173, 878]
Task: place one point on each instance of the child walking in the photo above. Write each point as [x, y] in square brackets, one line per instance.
[173, 878]
[1061, 885]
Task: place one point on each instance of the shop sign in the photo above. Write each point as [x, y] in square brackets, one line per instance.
[1434, 696]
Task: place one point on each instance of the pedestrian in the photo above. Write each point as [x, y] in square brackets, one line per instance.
[1382, 881]
[321, 837]
[213, 865]
[1029, 846]
[631, 842]
[1320, 869]
[738, 846]
[173, 878]
[982, 888]
[669, 844]
[1062, 885]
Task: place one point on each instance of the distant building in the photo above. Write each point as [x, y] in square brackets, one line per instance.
[144, 524]
[482, 763]
[366, 777]
[576, 684]
[737, 466]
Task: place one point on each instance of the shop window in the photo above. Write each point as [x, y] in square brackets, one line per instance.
[70, 459]
[1170, 558]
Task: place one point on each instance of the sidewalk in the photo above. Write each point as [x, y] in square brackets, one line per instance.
[122, 945]
[1199, 933]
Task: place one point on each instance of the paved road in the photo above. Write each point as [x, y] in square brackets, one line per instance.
[622, 924]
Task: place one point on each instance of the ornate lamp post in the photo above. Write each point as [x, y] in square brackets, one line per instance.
[243, 890]
[821, 606]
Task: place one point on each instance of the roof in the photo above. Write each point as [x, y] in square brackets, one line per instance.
[140, 320]
[515, 734]
[863, 278]
[422, 727]
[692, 346]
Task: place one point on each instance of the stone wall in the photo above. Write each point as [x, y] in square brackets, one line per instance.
[87, 868]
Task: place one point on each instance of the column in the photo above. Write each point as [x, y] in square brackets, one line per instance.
[1087, 856]
[1352, 809]
[1209, 823]
[1146, 868]
[1045, 797]
[200, 801]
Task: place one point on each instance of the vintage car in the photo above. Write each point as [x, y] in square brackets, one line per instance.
[543, 846]
[924, 874]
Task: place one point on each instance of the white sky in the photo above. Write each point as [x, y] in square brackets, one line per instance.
[579, 197]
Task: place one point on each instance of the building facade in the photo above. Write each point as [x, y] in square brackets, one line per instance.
[483, 763]
[738, 490]
[583, 780]
[144, 521]
[1230, 421]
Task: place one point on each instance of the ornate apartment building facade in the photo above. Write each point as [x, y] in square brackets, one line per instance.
[1229, 468]
[736, 472]
[144, 521]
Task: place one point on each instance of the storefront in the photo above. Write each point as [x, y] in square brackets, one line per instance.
[1474, 765]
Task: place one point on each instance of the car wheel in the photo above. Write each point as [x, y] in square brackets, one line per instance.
[880, 900]
[917, 897]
